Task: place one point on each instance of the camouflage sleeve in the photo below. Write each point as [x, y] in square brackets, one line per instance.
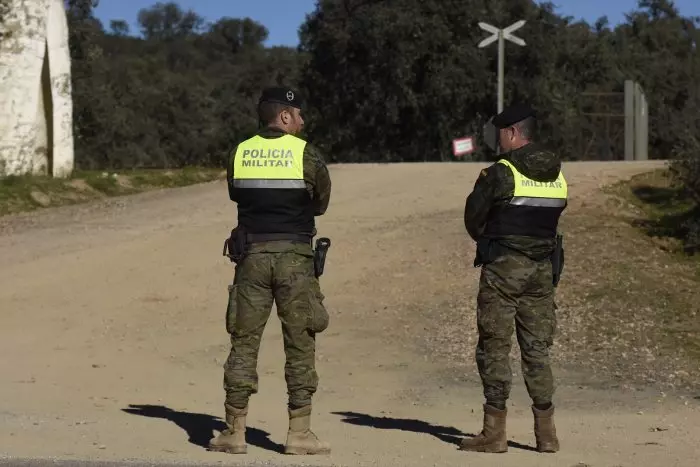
[229, 176]
[317, 178]
[494, 185]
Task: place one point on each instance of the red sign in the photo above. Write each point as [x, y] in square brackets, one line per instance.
[462, 146]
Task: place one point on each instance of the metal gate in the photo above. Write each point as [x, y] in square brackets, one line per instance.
[613, 125]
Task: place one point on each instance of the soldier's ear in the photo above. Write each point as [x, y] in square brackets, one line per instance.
[284, 116]
[510, 132]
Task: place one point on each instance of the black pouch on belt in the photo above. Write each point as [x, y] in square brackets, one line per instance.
[558, 261]
[322, 246]
[487, 250]
[235, 247]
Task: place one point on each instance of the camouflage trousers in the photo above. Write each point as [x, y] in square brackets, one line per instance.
[516, 292]
[283, 273]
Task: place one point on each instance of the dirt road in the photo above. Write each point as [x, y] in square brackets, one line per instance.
[112, 336]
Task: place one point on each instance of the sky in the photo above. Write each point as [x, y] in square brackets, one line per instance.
[283, 17]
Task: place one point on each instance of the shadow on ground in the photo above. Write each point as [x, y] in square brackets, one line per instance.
[200, 427]
[446, 434]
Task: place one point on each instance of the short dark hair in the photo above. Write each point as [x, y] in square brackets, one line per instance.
[527, 127]
[268, 111]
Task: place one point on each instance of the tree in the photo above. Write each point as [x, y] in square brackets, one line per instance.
[168, 20]
[383, 81]
[119, 27]
[234, 34]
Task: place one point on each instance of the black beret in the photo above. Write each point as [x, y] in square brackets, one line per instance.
[512, 115]
[281, 95]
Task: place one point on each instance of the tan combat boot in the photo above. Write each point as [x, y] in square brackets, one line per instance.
[493, 435]
[232, 439]
[300, 438]
[545, 431]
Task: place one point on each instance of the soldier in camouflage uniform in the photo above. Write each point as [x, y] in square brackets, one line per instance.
[280, 183]
[512, 214]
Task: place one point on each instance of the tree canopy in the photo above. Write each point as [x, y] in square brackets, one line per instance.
[384, 81]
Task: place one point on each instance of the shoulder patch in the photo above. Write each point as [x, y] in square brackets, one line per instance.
[483, 173]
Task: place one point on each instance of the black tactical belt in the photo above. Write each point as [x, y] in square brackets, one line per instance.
[271, 237]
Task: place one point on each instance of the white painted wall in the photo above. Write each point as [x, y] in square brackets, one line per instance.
[36, 121]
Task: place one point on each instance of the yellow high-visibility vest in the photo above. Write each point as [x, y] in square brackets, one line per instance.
[529, 192]
[269, 163]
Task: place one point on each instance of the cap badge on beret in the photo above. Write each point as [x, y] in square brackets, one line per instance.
[281, 95]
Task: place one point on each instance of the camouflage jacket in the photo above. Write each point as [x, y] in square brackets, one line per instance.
[495, 187]
[316, 176]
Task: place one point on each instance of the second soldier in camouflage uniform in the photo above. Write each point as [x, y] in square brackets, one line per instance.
[276, 209]
[515, 240]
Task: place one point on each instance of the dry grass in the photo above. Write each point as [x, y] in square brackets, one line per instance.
[627, 304]
[27, 193]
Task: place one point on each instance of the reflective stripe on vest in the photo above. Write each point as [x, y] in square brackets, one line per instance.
[269, 163]
[529, 192]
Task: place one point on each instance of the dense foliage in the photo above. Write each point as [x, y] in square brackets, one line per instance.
[181, 95]
[386, 80]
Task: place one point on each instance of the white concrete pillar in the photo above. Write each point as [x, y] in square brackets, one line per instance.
[36, 122]
[62, 160]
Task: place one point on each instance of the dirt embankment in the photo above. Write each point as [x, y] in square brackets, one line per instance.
[28, 193]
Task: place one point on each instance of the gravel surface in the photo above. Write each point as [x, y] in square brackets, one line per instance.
[112, 336]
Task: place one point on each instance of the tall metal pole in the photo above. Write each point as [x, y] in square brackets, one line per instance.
[501, 35]
[629, 120]
[501, 68]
